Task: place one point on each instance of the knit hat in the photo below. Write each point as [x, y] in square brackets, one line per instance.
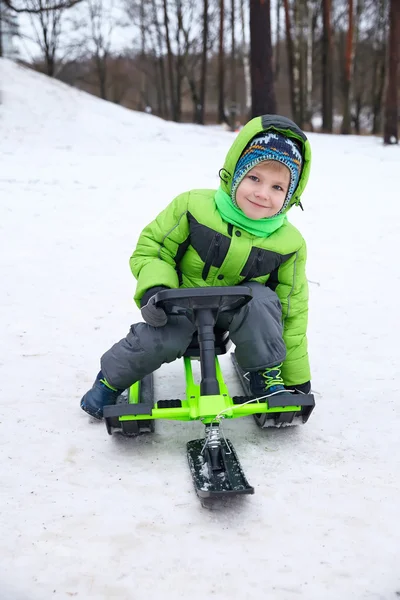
[269, 145]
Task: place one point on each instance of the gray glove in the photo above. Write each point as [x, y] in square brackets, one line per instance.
[152, 314]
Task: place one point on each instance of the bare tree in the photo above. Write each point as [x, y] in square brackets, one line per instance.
[262, 76]
[101, 25]
[359, 91]
[193, 50]
[312, 12]
[278, 39]
[8, 25]
[159, 53]
[170, 59]
[379, 63]
[246, 61]
[149, 56]
[47, 26]
[346, 122]
[25, 6]
[203, 82]
[299, 67]
[294, 100]
[232, 103]
[391, 134]
[327, 67]
[221, 65]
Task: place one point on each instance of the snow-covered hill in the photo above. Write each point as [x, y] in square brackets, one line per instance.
[88, 516]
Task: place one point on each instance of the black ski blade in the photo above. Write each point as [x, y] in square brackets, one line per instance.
[226, 478]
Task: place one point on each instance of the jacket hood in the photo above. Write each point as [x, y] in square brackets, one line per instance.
[259, 125]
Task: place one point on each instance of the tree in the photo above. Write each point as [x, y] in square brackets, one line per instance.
[221, 65]
[391, 135]
[346, 122]
[232, 104]
[25, 7]
[8, 29]
[246, 60]
[262, 77]
[101, 26]
[159, 53]
[327, 68]
[379, 33]
[294, 100]
[203, 82]
[46, 19]
[170, 58]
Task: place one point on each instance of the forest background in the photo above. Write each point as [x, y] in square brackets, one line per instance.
[331, 65]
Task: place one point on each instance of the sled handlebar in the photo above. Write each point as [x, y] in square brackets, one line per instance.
[217, 298]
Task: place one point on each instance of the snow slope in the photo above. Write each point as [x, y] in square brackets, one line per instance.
[88, 516]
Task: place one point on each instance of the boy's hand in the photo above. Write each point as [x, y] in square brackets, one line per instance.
[152, 314]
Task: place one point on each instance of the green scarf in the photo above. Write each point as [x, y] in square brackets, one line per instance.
[232, 214]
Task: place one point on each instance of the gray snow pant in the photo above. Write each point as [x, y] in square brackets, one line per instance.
[255, 329]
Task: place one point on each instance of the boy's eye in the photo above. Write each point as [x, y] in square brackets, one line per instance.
[278, 187]
[253, 177]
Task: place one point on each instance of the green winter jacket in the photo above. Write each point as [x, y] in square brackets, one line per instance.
[189, 245]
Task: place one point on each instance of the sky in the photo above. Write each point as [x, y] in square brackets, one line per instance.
[86, 515]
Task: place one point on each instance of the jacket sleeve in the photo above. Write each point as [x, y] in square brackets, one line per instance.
[153, 261]
[293, 294]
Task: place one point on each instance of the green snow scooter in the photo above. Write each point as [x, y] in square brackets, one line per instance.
[214, 465]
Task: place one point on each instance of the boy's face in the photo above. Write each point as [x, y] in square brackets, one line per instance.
[262, 191]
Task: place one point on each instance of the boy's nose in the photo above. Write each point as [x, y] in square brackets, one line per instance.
[262, 193]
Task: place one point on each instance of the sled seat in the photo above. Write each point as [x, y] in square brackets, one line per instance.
[222, 343]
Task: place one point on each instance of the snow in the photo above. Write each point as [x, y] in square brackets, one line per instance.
[87, 515]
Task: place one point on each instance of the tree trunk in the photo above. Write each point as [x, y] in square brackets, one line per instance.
[391, 135]
[309, 67]
[262, 75]
[143, 58]
[232, 106]
[179, 60]
[195, 99]
[378, 88]
[203, 81]
[50, 58]
[278, 40]
[327, 68]
[221, 66]
[170, 59]
[161, 85]
[1, 29]
[356, 118]
[246, 63]
[291, 61]
[299, 70]
[101, 74]
[346, 123]
[379, 69]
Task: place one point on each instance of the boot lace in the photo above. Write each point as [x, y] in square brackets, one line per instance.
[272, 376]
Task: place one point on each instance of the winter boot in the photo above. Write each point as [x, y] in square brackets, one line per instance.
[99, 396]
[267, 381]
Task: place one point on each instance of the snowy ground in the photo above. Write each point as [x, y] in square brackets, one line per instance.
[88, 516]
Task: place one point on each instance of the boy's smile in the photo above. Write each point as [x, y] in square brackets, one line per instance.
[263, 190]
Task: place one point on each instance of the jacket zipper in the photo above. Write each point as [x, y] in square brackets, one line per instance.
[255, 268]
[211, 255]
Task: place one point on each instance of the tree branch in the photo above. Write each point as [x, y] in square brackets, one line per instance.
[34, 11]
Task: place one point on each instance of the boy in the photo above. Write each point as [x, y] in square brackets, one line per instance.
[238, 234]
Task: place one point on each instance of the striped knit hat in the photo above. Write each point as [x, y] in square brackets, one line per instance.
[269, 145]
